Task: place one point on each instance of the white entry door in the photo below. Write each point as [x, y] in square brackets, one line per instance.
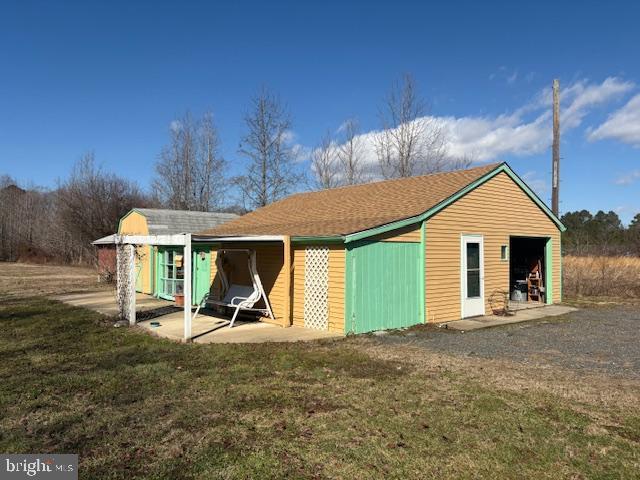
[472, 275]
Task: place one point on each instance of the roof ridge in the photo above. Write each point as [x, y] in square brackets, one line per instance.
[182, 211]
[389, 180]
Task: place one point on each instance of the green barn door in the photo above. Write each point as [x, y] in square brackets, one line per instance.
[383, 286]
[201, 264]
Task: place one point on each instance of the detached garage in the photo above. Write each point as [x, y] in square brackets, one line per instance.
[397, 253]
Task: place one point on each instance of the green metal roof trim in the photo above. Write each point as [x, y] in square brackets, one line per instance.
[503, 167]
[317, 240]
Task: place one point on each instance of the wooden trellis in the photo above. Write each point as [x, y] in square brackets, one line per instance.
[316, 288]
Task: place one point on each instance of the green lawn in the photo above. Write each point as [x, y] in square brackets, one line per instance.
[134, 406]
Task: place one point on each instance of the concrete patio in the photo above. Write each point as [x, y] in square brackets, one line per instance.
[523, 315]
[104, 301]
[206, 328]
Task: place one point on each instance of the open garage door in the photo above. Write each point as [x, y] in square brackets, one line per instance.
[383, 286]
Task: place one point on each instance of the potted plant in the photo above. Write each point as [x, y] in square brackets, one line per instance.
[178, 297]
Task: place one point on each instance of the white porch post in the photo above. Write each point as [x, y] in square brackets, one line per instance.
[186, 262]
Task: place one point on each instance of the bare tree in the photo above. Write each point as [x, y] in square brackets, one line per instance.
[410, 142]
[458, 163]
[89, 205]
[324, 164]
[350, 153]
[191, 172]
[271, 171]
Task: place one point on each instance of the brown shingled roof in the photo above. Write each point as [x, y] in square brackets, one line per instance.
[345, 210]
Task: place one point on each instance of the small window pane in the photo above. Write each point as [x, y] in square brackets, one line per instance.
[503, 252]
[473, 283]
[473, 255]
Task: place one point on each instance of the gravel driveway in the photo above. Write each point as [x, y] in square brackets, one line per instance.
[602, 340]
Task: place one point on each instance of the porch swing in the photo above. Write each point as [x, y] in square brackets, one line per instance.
[238, 297]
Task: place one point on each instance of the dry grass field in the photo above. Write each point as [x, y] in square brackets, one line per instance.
[601, 277]
[26, 279]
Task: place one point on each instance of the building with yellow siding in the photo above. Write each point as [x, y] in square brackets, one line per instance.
[394, 253]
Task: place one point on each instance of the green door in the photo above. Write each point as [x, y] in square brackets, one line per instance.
[383, 286]
[201, 273]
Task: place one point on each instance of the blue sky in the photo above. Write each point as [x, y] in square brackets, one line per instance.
[111, 76]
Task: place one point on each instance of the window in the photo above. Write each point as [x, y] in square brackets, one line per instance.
[473, 270]
[504, 252]
[171, 273]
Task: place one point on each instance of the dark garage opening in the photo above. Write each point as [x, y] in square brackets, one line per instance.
[527, 275]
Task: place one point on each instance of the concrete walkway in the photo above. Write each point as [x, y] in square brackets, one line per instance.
[104, 301]
[525, 315]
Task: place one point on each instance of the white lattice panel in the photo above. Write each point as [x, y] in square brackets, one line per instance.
[316, 288]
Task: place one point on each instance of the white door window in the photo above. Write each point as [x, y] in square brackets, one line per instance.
[472, 275]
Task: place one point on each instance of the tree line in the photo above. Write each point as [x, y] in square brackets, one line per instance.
[600, 234]
[191, 173]
[60, 224]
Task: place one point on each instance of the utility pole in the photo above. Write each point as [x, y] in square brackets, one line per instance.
[555, 175]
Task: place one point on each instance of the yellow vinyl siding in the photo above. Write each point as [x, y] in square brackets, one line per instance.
[144, 254]
[136, 224]
[406, 234]
[297, 305]
[216, 285]
[336, 287]
[496, 210]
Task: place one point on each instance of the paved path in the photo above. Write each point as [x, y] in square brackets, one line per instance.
[602, 340]
[105, 301]
[487, 321]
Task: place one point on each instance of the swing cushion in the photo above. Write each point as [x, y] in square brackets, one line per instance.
[237, 295]
[240, 293]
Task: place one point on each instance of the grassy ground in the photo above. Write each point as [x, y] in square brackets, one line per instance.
[134, 406]
[25, 279]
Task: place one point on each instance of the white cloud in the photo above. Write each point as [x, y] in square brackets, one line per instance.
[525, 131]
[539, 185]
[622, 125]
[628, 178]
